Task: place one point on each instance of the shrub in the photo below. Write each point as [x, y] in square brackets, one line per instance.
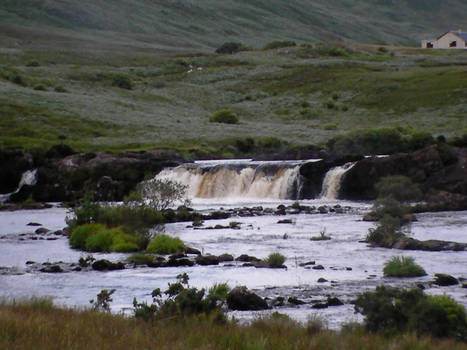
[391, 311]
[124, 243]
[387, 232]
[80, 234]
[122, 81]
[388, 206]
[135, 218]
[230, 48]
[60, 88]
[402, 267]
[40, 87]
[99, 241]
[275, 260]
[19, 80]
[400, 188]
[225, 116]
[164, 244]
[162, 193]
[279, 44]
[32, 63]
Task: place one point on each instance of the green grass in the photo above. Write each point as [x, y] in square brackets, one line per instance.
[164, 244]
[98, 238]
[402, 267]
[275, 260]
[40, 326]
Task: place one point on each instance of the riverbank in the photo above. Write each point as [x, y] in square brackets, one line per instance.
[39, 325]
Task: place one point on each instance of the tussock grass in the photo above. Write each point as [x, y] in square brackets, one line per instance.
[28, 327]
[401, 266]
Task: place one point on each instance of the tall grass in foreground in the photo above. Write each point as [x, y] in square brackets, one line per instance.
[40, 326]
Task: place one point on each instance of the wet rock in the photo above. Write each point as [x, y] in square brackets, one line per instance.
[177, 256]
[189, 250]
[295, 301]
[369, 217]
[42, 230]
[285, 221]
[59, 233]
[318, 267]
[247, 258]
[225, 257]
[52, 269]
[34, 224]
[279, 301]
[408, 243]
[308, 263]
[106, 265]
[262, 264]
[348, 268]
[240, 298]
[177, 263]
[333, 301]
[323, 210]
[443, 280]
[322, 280]
[207, 260]
[319, 306]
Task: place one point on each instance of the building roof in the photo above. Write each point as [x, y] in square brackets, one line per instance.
[460, 34]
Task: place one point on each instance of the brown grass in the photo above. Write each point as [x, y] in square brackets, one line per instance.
[38, 326]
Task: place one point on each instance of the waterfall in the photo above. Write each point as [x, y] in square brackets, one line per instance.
[332, 181]
[238, 179]
[29, 177]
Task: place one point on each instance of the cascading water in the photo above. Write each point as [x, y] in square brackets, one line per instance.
[332, 181]
[238, 179]
[29, 177]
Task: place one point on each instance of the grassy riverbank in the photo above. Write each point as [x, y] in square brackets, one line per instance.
[39, 325]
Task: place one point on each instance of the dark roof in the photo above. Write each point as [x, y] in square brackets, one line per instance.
[462, 35]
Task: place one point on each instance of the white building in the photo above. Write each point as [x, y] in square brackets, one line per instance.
[454, 39]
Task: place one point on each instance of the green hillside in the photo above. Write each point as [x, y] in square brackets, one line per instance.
[206, 23]
[121, 74]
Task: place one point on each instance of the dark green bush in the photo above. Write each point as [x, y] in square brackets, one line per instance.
[400, 188]
[388, 206]
[245, 145]
[59, 150]
[230, 48]
[279, 44]
[386, 233]
[122, 81]
[164, 244]
[225, 116]
[80, 235]
[390, 311]
[403, 267]
[39, 87]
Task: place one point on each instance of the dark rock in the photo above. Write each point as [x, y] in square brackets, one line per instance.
[319, 306]
[52, 269]
[464, 285]
[295, 301]
[285, 221]
[369, 217]
[177, 256]
[444, 280]
[408, 243]
[333, 301]
[262, 264]
[318, 267]
[279, 301]
[240, 298]
[247, 258]
[308, 263]
[348, 268]
[34, 224]
[225, 257]
[42, 230]
[77, 268]
[207, 260]
[106, 265]
[323, 210]
[322, 280]
[176, 263]
[30, 262]
[189, 250]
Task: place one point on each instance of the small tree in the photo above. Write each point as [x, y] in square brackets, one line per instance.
[162, 193]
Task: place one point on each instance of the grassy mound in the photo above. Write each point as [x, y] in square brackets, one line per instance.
[401, 266]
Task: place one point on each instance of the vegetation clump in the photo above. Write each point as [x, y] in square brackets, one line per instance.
[98, 238]
[230, 47]
[279, 44]
[225, 116]
[391, 311]
[164, 244]
[403, 267]
[275, 260]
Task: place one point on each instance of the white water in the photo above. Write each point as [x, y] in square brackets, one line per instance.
[332, 181]
[240, 180]
[29, 177]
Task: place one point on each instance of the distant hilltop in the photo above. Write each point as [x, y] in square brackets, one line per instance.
[205, 24]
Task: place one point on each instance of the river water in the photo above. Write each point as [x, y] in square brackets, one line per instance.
[350, 266]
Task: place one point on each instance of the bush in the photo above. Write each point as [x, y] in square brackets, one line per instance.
[164, 244]
[60, 89]
[162, 193]
[225, 116]
[400, 188]
[275, 260]
[40, 87]
[402, 267]
[135, 218]
[32, 63]
[80, 234]
[122, 81]
[391, 311]
[230, 48]
[100, 241]
[388, 206]
[387, 232]
[279, 44]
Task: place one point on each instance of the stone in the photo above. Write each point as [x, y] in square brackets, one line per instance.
[322, 280]
[52, 269]
[106, 265]
[42, 230]
[225, 257]
[242, 299]
[247, 258]
[34, 224]
[189, 250]
[207, 260]
[333, 301]
[295, 301]
[318, 267]
[308, 263]
[443, 280]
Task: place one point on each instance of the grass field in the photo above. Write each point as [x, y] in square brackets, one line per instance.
[39, 325]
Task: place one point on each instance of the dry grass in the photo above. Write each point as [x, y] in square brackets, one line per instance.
[39, 326]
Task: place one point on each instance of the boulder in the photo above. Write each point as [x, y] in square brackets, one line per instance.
[240, 298]
[443, 280]
[42, 230]
[207, 260]
[189, 250]
[333, 301]
[247, 258]
[52, 269]
[106, 265]
[226, 257]
[295, 301]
